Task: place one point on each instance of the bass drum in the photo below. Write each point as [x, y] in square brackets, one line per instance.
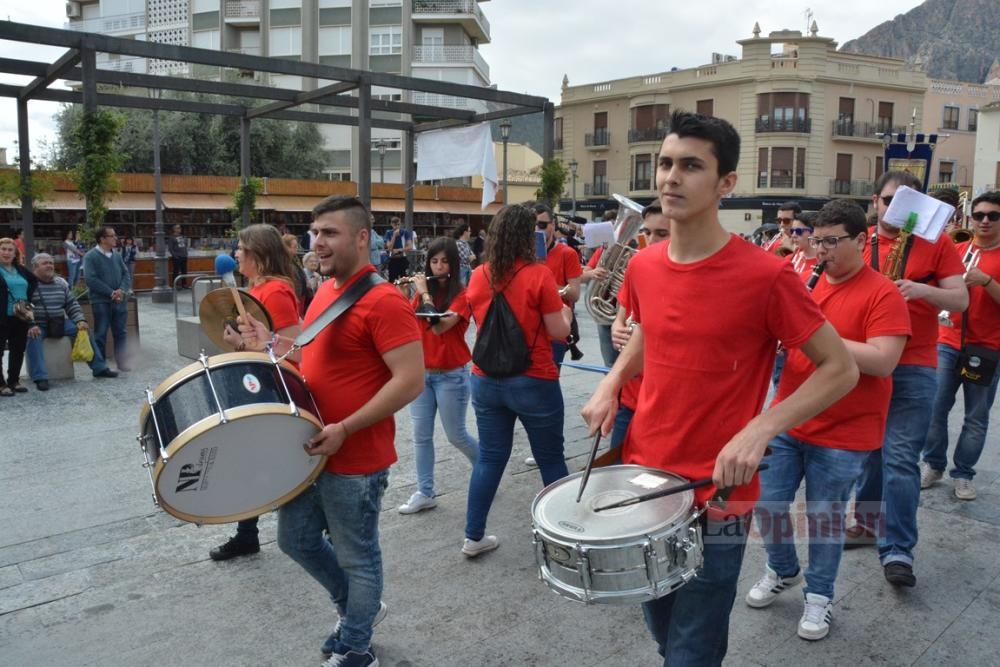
[222, 438]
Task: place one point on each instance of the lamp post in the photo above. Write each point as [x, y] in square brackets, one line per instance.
[505, 136]
[381, 146]
[161, 290]
[573, 164]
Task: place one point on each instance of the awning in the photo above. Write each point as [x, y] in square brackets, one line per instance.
[132, 201]
[399, 206]
[58, 201]
[199, 202]
[71, 201]
[287, 203]
[472, 208]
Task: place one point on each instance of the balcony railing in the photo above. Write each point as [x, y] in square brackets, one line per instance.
[783, 125]
[110, 25]
[862, 130]
[641, 184]
[599, 138]
[782, 182]
[242, 9]
[597, 189]
[458, 55]
[647, 134]
[851, 188]
[452, 7]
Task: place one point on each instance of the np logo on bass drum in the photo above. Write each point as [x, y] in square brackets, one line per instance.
[569, 525]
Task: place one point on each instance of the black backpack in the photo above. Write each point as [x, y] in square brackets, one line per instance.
[501, 349]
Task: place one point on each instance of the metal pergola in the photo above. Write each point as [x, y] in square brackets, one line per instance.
[351, 94]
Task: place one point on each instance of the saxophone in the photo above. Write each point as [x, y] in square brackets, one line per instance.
[893, 269]
[602, 299]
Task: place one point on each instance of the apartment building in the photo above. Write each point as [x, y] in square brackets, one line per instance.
[987, 171]
[811, 120]
[433, 39]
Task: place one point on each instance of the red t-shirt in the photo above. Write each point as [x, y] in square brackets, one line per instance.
[564, 263]
[802, 265]
[531, 294]
[344, 368]
[711, 330]
[279, 301]
[595, 258]
[865, 306]
[629, 396]
[930, 263]
[984, 312]
[448, 350]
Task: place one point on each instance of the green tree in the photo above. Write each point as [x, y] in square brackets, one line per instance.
[553, 180]
[94, 140]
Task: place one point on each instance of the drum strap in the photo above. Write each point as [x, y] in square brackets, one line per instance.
[338, 307]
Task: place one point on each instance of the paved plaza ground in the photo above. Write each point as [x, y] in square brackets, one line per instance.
[92, 574]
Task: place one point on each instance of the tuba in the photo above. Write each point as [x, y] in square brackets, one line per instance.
[602, 299]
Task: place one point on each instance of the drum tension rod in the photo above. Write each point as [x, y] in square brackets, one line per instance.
[211, 385]
[156, 424]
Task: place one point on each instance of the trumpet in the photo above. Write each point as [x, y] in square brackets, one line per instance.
[971, 261]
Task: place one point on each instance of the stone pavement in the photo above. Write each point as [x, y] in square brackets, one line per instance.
[92, 574]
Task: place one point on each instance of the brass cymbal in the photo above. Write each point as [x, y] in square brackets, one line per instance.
[218, 308]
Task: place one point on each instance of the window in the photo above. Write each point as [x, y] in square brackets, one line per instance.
[706, 107]
[885, 110]
[600, 178]
[641, 172]
[385, 40]
[601, 137]
[335, 41]
[950, 118]
[973, 119]
[879, 167]
[286, 41]
[800, 168]
[845, 112]
[783, 168]
[649, 122]
[557, 133]
[782, 161]
[783, 112]
[762, 167]
[946, 171]
[205, 39]
[842, 178]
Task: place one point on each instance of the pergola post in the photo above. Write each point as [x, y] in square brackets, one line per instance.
[24, 155]
[245, 167]
[162, 292]
[365, 141]
[409, 178]
[548, 121]
[88, 70]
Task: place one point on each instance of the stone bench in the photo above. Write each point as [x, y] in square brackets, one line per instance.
[191, 340]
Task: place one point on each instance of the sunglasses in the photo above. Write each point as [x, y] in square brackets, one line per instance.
[992, 216]
[828, 242]
[799, 231]
[541, 224]
[886, 199]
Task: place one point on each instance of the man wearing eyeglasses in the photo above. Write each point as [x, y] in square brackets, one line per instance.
[829, 451]
[782, 243]
[564, 264]
[931, 281]
[804, 258]
[980, 328]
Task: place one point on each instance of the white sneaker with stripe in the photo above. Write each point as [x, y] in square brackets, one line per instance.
[769, 587]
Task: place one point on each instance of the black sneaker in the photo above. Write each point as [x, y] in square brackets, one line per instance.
[352, 659]
[234, 548]
[330, 645]
[900, 574]
[106, 373]
[43, 385]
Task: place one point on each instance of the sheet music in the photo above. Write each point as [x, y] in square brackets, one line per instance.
[932, 214]
[597, 234]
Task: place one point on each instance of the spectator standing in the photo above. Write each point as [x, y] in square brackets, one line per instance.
[465, 254]
[130, 253]
[74, 257]
[398, 242]
[19, 242]
[178, 245]
[109, 285]
[310, 267]
[54, 305]
[16, 284]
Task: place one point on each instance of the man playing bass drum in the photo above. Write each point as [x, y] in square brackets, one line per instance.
[710, 309]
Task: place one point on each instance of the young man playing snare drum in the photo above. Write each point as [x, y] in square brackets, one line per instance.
[710, 309]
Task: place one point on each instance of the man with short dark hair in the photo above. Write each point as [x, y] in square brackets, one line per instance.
[178, 245]
[980, 327]
[54, 303]
[709, 311]
[829, 451]
[782, 243]
[564, 264]
[108, 285]
[398, 242]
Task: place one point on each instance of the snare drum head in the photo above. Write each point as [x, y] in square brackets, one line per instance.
[556, 512]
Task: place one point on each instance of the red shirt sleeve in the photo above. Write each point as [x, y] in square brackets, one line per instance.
[888, 315]
[392, 322]
[595, 258]
[572, 264]
[624, 294]
[280, 303]
[549, 300]
[792, 314]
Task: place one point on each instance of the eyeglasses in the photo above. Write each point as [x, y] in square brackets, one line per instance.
[992, 216]
[542, 224]
[886, 199]
[785, 221]
[799, 231]
[828, 242]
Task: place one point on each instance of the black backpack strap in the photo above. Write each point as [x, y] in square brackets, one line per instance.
[351, 296]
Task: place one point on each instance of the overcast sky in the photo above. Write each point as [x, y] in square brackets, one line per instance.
[535, 42]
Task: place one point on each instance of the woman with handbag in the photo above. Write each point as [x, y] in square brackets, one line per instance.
[17, 285]
[518, 310]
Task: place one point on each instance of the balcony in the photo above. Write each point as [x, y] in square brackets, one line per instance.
[782, 182]
[463, 12]
[597, 189]
[452, 55]
[764, 124]
[647, 134]
[601, 138]
[641, 185]
[850, 130]
[851, 188]
[119, 24]
[241, 12]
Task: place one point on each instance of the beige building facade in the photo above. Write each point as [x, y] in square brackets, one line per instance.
[810, 118]
[987, 169]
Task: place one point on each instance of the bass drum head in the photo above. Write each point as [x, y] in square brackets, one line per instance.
[557, 514]
[220, 473]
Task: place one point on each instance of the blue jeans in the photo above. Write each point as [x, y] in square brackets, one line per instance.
[349, 564]
[779, 366]
[115, 316]
[830, 475]
[608, 352]
[622, 420]
[448, 394]
[691, 625]
[465, 273]
[74, 273]
[36, 354]
[892, 474]
[978, 401]
[498, 402]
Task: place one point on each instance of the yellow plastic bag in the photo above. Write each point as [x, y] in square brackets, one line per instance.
[82, 351]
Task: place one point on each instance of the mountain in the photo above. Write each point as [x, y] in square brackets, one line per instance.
[954, 39]
[527, 129]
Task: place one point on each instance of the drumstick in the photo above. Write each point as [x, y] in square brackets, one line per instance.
[590, 464]
[665, 492]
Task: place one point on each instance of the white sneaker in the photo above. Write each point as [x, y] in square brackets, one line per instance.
[530, 461]
[929, 476]
[770, 586]
[816, 617]
[965, 489]
[473, 548]
[417, 503]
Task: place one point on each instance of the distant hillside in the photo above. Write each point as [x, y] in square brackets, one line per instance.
[955, 39]
[523, 130]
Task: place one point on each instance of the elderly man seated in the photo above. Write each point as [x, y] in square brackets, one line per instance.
[54, 302]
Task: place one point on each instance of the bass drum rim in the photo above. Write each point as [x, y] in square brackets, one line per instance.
[202, 427]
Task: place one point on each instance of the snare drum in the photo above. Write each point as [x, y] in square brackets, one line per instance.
[222, 438]
[619, 556]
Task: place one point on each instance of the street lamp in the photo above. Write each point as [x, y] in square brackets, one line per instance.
[505, 135]
[381, 146]
[161, 290]
[573, 164]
